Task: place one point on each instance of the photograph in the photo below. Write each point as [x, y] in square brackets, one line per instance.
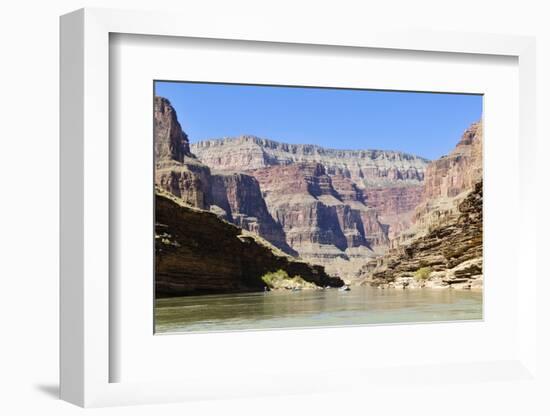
[281, 207]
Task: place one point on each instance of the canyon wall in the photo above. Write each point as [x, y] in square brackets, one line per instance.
[177, 170]
[336, 207]
[450, 251]
[445, 236]
[364, 167]
[171, 143]
[234, 197]
[199, 253]
[242, 203]
[319, 223]
[395, 206]
[450, 175]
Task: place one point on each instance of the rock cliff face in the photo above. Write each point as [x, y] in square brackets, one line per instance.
[171, 143]
[366, 168]
[450, 252]
[319, 222]
[335, 207]
[448, 181]
[445, 238]
[460, 170]
[177, 170]
[199, 253]
[241, 202]
[395, 205]
[235, 197]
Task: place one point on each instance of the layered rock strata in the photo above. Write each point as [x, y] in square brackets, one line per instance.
[445, 238]
[450, 252]
[242, 203]
[199, 253]
[235, 197]
[321, 224]
[322, 197]
[395, 206]
[448, 181]
[450, 175]
[177, 170]
[365, 167]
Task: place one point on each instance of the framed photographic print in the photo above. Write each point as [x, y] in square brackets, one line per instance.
[248, 214]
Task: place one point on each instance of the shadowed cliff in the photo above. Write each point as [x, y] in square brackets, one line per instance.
[199, 253]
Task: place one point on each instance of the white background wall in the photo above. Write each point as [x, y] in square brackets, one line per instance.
[29, 206]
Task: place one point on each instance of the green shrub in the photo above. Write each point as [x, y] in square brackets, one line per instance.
[271, 279]
[423, 273]
[281, 280]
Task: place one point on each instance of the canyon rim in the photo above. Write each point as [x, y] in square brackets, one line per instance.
[303, 229]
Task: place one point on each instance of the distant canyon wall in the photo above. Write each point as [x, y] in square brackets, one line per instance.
[336, 207]
[366, 168]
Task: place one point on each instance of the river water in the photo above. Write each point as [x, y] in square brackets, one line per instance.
[314, 308]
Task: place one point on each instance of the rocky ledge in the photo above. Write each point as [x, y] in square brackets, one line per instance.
[197, 252]
[448, 255]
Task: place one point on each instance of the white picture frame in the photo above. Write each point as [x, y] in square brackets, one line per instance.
[87, 356]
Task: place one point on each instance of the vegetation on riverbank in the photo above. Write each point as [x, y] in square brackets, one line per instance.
[281, 280]
[423, 273]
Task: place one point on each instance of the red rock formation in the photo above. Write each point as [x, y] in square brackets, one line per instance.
[292, 195]
[319, 222]
[335, 179]
[235, 197]
[364, 167]
[394, 200]
[447, 226]
[171, 142]
[241, 200]
[450, 252]
[460, 170]
[176, 169]
[449, 178]
[395, 205]
[347, 189]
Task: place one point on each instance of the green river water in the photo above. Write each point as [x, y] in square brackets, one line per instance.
[314, 308]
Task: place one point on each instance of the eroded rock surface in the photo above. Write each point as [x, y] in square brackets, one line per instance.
[240, 200]
[395, 206]
[445, 238]
[235, 197]
[319, 222]
[450, 175]
[365, 167]
[199, 253]
[336, 207]
[177, 170]
[450, 251]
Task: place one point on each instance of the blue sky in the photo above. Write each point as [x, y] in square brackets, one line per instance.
[424, 124]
